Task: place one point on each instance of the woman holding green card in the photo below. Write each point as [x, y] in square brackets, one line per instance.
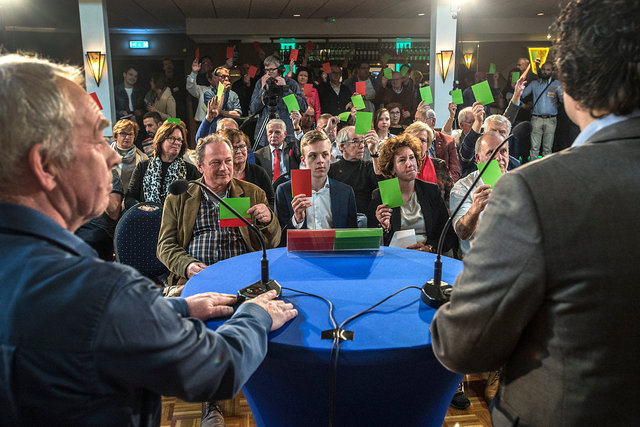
[421, 207]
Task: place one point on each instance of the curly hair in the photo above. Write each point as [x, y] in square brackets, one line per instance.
[598, 55]
[164, 132]
[125, 125]
[391, 147]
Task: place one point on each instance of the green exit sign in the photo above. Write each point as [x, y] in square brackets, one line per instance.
[138, 44]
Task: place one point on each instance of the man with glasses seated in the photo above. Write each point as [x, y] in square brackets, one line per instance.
[229, 107]
[404, 96]
[260, 97]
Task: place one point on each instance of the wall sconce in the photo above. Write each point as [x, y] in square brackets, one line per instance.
[96, 63]
[468, 57]
[444, 59]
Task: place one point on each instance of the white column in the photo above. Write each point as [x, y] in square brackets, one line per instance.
[95, 37]
[443, 37]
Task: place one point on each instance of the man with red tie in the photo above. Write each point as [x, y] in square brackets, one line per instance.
[278, 157]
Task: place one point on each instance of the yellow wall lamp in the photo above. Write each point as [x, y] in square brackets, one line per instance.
[96, 64]
[444, 59]
[468, 57]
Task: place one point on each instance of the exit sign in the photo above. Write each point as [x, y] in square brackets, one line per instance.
[138, 44]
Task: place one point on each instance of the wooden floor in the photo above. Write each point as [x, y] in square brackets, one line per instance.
[177, 413]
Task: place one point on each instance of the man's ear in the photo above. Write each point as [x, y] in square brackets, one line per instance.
[42, 168]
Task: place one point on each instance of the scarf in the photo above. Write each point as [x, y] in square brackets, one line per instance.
[427, 172]
[155, 187]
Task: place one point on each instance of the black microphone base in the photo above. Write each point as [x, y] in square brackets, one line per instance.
[258, 288]
[433, 295]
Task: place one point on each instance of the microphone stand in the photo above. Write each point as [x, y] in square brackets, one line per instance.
[432, 291]
[264, 284]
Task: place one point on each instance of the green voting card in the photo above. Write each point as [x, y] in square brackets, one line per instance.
[425, 94]
[482, 92]
[390, 192]
[385, 58]
[291, 102]
[515, 76]
[241, 205]
[491, 175]
[358, 102]
[404, 70]
[492, 68]
[364, 122]
[173, 121]
[388, 73]
[219, 92]
[344, 116]
[456, 96]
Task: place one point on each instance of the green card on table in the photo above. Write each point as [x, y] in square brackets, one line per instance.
[291, 102]
[390, 192]
[482, 92]
[364, 122]
[425, 94]
[456, 96]
[241, 205]
[358, 102]
[493, 172]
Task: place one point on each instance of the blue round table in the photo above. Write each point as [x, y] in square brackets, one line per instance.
[387, 375]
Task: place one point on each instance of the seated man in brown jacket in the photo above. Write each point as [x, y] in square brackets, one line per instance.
[191, 237]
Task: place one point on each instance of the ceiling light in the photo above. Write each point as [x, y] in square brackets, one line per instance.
[421, 14]
[297, 15]
[540, 13]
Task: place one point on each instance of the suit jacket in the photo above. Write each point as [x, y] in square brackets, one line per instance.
[549, 291]
[343, 207]
[122, 100]
[332, 103]
[289, 155]
[446, 150]
[434, 211]
[179, 217]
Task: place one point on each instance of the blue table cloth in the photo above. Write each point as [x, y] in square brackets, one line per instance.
[387, 375]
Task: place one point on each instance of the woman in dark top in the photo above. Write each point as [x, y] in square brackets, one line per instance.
[423, 208]
[151, 178]
[395, 117]
[248, 171]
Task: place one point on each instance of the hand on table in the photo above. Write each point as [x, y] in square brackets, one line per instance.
[279, 311]
[209, 305]
[194, 268]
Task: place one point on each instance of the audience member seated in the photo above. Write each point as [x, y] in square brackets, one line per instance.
[334, 96]
[380, 132]
[259, 99]
[465, 120]
[151, 178]
[433, 170]
[423, 209]
[191, 237]
[444, 146]
[404, 96]
[303, 123]
[305, 76]
[332, 204]
[125, 132]
[329, 125]
[279, 157]
[352, 170]
[395, 118]
[362, 74]
[151, 121]
[159, 98]
[98, 232]
[244, 171]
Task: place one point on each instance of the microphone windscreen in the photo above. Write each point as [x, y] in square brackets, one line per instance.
[178, 186]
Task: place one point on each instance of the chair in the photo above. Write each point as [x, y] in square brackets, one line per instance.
[136, 238]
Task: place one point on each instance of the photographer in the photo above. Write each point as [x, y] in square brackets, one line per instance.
[268, 94]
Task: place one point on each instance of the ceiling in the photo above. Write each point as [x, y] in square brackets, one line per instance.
[171, 16]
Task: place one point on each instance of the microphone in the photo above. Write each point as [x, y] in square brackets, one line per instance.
[436, 292]
[263, 285]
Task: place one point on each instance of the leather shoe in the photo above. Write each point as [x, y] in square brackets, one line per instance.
[459, 400]
[211, 415]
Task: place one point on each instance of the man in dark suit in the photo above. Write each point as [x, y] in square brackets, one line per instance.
[549, 289]
[332, 203]
[277, 158]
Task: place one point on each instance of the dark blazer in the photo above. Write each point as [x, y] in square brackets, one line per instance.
[332, 103]
[549, 290]
[433, 209]
[257, 175]
[122, 100]
[263, 158]
[343, 207]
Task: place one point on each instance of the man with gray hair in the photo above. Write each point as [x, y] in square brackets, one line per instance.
[72, 351]
[465, 121]
[444, 146]
[279, 157]
[267, 95]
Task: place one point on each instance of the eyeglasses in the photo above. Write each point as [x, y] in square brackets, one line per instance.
[237, 148]
[223, 76]
[356, 141]
[126, 134]
[174, 139]
[270, 69]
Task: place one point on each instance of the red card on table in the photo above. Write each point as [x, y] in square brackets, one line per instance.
[326, 67]
[361, 88]
[307, 89]
[95, 98]
[256, 46]
[197, 53]
[293, 56]
[310, 240]
[301, 182]
[310, 45]
[229, 52]
[252, 71]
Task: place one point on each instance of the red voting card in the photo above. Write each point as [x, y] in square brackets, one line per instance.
[95, 98]
[361, 88]
[252, 71]
[301, 182]
[293, 56]
[307, 89]
[326, 67]
[310, 45]
[229, 52]
[197, 53]
[256, 46]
